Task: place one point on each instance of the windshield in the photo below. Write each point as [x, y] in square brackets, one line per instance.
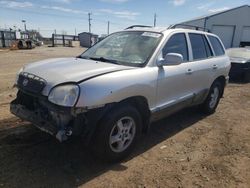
[125, 48]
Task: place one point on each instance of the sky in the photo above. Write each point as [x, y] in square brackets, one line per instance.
[71, 16]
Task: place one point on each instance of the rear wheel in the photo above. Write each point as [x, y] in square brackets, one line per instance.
[210, 104]
[117, 134]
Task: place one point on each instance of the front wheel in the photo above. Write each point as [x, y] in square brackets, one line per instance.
[117, 134]
[210, 104]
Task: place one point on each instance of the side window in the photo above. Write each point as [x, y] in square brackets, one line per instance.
[208, 48]
[198, 46]
[176, 44]
[217, 46]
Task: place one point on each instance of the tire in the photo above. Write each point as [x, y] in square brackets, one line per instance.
[117, 134]
[210, 104]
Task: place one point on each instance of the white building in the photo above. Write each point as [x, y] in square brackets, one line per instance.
[232, 26]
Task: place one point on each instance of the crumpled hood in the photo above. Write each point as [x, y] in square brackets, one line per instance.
[61, 70]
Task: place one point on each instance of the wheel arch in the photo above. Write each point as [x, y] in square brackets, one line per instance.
[141, 105]
[222, 80]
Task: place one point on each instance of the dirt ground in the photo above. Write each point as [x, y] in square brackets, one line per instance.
[184, 150]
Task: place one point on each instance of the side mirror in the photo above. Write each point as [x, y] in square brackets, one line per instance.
[170, 59]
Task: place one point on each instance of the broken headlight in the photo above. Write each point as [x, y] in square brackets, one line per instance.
[64, 95]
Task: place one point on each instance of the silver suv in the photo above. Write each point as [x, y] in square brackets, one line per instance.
[114, 90]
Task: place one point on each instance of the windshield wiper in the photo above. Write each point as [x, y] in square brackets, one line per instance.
[103, 59]
[82, 57]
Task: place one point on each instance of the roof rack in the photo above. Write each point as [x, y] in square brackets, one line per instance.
[133, 26]
[189, 26]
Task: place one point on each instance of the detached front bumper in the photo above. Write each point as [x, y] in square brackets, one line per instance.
[61, 122]
[62, 131]
[32, 116]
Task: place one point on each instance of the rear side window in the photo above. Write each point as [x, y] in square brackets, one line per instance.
[176, 44]
[198, 46]
[217, 46]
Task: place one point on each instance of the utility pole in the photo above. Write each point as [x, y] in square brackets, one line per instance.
[55, 31]
[108, 28]
[75, 31]
[89, 22]
[24, 22]
[154, 20]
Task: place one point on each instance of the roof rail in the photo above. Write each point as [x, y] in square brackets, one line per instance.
[190, 26]
[133, 26]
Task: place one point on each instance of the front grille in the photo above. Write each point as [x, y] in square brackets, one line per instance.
[26, 100]
[30, 82]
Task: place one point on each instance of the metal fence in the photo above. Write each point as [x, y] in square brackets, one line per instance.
[6, 38]
[63, 40]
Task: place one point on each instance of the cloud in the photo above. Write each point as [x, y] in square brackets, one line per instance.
[205, 6]
[178, 2]
[121, 14]
[63, 1]
[106, 11]
[114, 1]
[126, 14]
[15, 4]
[62, 9]
[218, 9]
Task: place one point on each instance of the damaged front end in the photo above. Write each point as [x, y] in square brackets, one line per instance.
[59, 121]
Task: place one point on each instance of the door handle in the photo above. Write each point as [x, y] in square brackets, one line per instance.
[189, 71]
[215, 67]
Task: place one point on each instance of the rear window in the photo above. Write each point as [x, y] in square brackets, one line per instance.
[217, 46]
[198, 46]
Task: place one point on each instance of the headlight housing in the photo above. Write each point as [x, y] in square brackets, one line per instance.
[64, 95]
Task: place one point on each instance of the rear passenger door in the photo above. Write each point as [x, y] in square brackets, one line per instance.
[201, 63]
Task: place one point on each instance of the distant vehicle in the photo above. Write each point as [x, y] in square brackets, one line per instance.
[25, 44]
[240, 63]
[113, 91]
[37, 42]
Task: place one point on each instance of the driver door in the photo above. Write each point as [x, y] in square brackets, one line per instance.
[174, 80]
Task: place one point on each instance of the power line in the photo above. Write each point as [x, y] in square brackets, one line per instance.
[88, 19]
[44, 14]
[62, 16]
